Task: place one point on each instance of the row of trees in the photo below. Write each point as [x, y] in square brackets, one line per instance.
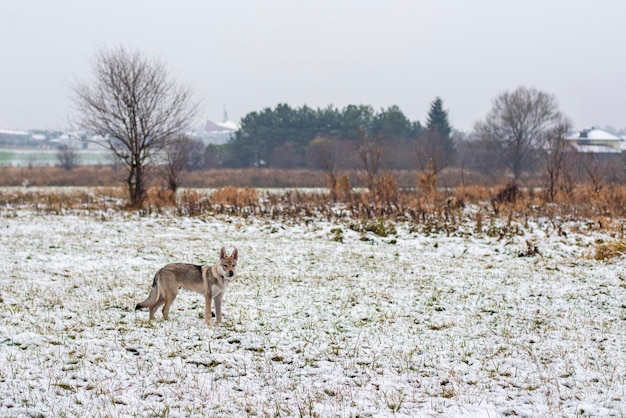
[524, 130]
[278, 137]
[145, 113]
[334, 139]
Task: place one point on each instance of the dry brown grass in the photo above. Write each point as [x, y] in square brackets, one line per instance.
[160, 197]
[474, 193]
[609, 250]
[245, 177]
[235, 197]
[107, 176]
[56, 200]
[430, 210]
[433, 212]
[252, 177]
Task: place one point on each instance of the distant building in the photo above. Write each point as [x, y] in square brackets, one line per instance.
[596, 140]
[15, 138]
[217, 132]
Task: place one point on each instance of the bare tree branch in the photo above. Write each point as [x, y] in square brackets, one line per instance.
[371, 152]
[557, 158]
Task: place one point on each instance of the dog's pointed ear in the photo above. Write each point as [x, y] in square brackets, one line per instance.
[222, 253]
[235, 254]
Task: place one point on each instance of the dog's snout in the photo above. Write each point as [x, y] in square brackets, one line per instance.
[231, 273]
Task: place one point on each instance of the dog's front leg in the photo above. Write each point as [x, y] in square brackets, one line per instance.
[218, 307]
[207, 307]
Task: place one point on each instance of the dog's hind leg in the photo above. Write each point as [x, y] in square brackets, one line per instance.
[166, 309]
[169, 299]
[153, 308]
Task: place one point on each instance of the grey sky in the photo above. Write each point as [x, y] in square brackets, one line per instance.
[248, 55]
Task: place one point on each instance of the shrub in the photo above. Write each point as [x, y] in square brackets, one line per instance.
[343, 189]
[385, 189]
[508, 194]
[159, 198]
[378, 227]
[608, 250]
[192, 203]
[235, 197]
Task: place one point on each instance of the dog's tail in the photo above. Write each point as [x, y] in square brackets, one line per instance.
[152, 297]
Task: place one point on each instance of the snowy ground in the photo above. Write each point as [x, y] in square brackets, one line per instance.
[409, 324]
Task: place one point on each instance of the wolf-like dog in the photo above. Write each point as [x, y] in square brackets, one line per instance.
[211, 281]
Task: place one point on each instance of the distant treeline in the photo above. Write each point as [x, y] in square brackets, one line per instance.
[286, 137]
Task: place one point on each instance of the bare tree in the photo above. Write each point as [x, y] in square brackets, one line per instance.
[176, 158]
[137, 105]
[431, 157]
[67, 157]
[370, 153]
[517, 126]
[327, 154]
[596, 168]
[572, 174]
[476, 154]
[557, 157]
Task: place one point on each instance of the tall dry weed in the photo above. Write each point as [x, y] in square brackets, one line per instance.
[427, 181]
[235, 197]
[159, 197]
[385, 190]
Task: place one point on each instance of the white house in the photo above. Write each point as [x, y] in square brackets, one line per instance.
[596, 140]
[14, 138]
[217, 133]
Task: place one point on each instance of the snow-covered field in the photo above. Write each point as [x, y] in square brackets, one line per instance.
[409, 324]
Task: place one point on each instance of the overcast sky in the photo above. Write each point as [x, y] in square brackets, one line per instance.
[249, 55]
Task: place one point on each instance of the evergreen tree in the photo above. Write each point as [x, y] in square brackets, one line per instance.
[416, 129]
[438, 119]
[391, 124]
[437, 123]
[355, 120]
